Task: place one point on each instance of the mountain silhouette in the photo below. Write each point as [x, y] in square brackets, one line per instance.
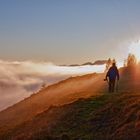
[97, 62]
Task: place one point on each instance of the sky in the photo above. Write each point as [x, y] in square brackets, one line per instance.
[67, 31]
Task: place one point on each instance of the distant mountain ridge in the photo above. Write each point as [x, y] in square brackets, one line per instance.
[97, 62]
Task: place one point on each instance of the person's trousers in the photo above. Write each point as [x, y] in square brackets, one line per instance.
[111, 85]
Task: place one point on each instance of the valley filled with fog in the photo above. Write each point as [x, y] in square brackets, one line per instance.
[19, 80]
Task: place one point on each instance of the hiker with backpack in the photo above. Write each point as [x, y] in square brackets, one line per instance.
[111, 76]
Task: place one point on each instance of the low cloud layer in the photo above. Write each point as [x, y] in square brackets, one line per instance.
[19, 80]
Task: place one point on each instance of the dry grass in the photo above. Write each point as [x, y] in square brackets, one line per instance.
[103, 116]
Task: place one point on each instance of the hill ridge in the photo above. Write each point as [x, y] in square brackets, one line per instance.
[57, 94]
[93, 91]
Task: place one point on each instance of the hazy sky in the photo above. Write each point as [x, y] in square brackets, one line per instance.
[67, 31]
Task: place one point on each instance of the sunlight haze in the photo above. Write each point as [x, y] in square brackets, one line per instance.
[67, 32]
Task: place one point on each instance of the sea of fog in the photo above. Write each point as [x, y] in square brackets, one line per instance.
[19, 80]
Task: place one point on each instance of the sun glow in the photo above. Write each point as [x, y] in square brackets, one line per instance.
[134, 48]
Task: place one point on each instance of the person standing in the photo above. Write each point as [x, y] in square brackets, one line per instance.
[112, 75]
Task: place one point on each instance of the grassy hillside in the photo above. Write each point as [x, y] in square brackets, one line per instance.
[61, 93]
[106, 117]
[78, 107]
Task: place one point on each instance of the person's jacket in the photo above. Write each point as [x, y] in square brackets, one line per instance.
[113, 73]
